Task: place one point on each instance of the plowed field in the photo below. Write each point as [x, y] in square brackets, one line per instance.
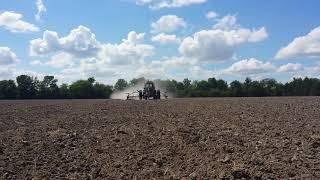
[202, 138]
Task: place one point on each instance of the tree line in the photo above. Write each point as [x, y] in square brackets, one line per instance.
[27, 87]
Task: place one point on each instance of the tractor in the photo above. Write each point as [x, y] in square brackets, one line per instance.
[149, 91]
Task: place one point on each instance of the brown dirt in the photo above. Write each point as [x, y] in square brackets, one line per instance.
[216, 138]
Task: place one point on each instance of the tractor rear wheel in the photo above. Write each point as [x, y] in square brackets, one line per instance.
[140, 95]
[158, 94]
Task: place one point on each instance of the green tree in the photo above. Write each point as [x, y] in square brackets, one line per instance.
[91, 80]
[246, 86]
[203, 85]
[186, 83]
[102, 91]
[82, 89]
[213, 83]
[48, 88]
[222, 85]
[8, 89]
[256, 89]
[236, 88]
[120, 85]
[26, 87]
[315, 87]
[64, 91]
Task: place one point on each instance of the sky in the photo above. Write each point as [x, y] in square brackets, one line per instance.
[166, 39]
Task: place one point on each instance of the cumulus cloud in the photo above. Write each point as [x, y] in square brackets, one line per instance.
[250, 66]
[41, 9]
[202, 73]
[81, 42]
[304, 46]
[165, 68]
[7, 57]
[130, 51]
[91, 67]
[163, 38]
[168, 23]
[299, 70]
[215, 45]
[80, 55]
[7, 72]
[158, 4]
[221, 42]
[8, 60]
[258, 35]
[211, 15]
[227, 23]
[59, 60]
[172, 62]
[291, 67]
[12, 22]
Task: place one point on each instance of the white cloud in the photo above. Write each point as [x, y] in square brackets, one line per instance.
[220, 43]
[97, 68]
[304, 46]
[41, 9]
[80, 55]
[299, 70]
[250, 66]
[134, 37]
[258, 35]
[12, 22]
[130, 51]
[199, 72]
[7, 57]
[211, 15]
[81, 42]
[76, 59]
[158, 4]
[227, 23]
[176, 68]
[7, 72]
[215, 45]
[168, 23]
[143, 2]
[48, 44]
[172, 62]
[36, 63]
[8, 61]
[59, 60]
[163, 38]
[290, 67]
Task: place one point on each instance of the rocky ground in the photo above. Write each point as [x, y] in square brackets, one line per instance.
[208, 138]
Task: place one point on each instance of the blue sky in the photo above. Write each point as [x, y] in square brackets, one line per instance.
[160, 39]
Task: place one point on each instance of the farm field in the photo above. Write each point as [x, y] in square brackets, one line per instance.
[200, 138]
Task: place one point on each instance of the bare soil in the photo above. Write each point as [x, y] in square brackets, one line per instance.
[203, 138]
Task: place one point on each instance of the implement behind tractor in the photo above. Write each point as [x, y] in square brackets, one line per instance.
[149, 92]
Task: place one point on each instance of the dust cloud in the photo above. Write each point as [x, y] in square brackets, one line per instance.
[133, 91]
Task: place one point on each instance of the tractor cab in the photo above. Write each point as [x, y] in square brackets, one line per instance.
[149, 85]
[149, 91]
